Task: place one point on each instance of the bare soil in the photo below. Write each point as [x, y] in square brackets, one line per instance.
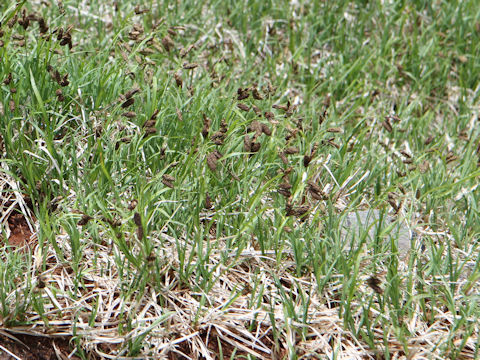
[35, 347]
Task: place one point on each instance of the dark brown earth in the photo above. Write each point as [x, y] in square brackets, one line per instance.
[29, 346]
[20, 232]
[35, 347]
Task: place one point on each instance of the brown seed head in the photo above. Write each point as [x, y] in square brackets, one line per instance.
[247, 143]
[132, 92]
[256, 95]
[255, 147]
[168, 43]
[178, 79]
[185, 51]
[179, 114]
[189, 66]
[242, 94]
[168, 180]
[269, 115]
[128, 103]
[137, 219]
[266, 130]
[387, 125]
[243, 107]
[291, 150]
[212, 161]
[208, 201]
[374, 283]
[84, 220]
[133, 204]
[129, 114]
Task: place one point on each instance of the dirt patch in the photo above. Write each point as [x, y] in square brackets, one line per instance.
[36, 348]
[20, 233]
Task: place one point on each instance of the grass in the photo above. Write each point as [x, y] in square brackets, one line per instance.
[183, 225]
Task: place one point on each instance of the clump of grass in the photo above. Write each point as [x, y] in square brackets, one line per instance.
[186, 172]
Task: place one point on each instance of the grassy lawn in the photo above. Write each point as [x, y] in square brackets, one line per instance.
[177, 178]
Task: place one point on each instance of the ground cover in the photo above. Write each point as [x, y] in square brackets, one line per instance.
[181, 180]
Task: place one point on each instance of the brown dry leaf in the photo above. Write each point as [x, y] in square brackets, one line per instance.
[463, 59]
[393, 118]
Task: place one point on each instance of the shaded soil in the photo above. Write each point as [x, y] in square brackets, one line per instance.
[20, 232]
[36, 348]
